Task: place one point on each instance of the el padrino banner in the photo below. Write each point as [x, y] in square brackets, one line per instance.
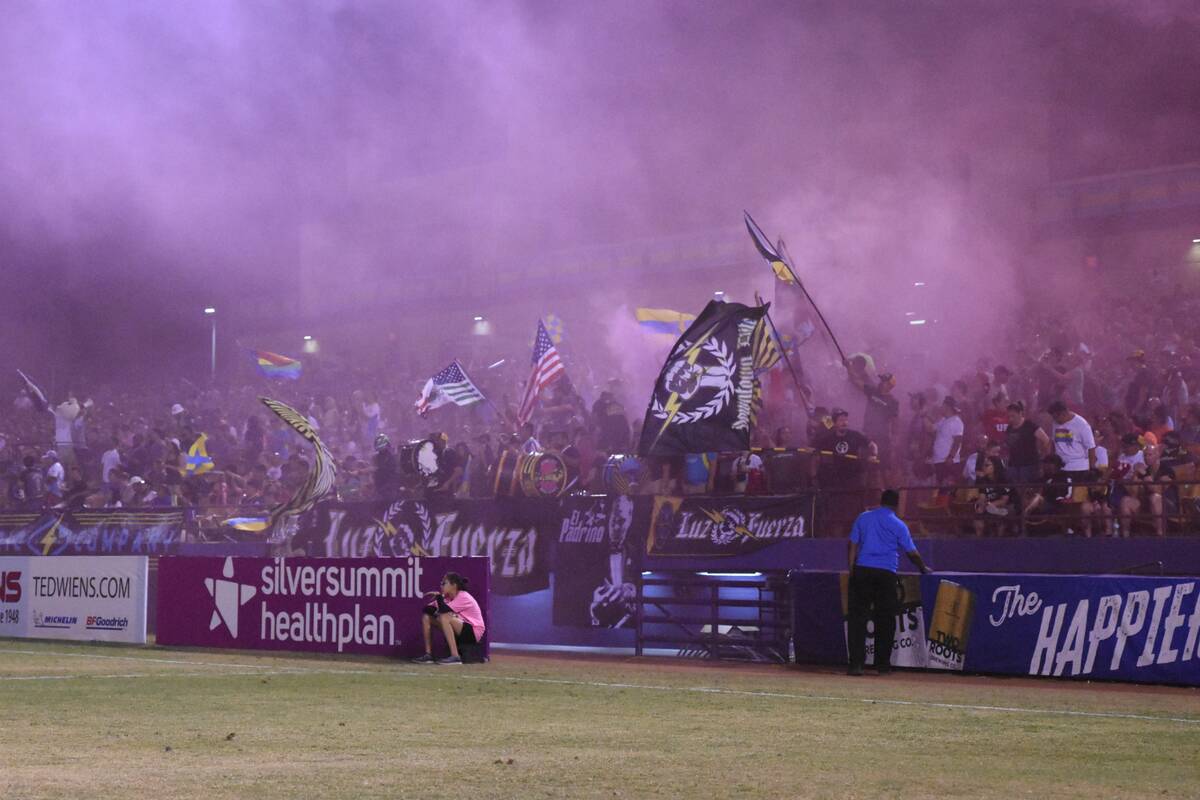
[74, 597]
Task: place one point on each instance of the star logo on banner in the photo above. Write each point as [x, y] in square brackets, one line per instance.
[228, 596]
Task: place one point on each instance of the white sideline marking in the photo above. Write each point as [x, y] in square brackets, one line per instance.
[148, 660]
[829, 698]
[129, 675]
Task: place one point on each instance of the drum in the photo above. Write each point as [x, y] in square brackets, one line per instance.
[622, 473]
[507, 478]
[418, 460]
[543, 475]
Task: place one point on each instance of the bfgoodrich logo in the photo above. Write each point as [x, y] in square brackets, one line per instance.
[228, 596]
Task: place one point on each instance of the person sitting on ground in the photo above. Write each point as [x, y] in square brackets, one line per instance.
[455, 613]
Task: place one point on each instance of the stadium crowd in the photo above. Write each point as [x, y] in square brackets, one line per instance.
[1100, 401]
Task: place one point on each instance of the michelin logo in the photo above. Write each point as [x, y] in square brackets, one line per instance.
[228, 596]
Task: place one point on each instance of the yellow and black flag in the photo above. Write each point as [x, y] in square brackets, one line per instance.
[769, 251]
[317, 485]
[706, 394]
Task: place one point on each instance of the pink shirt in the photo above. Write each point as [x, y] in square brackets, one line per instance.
[465, 606]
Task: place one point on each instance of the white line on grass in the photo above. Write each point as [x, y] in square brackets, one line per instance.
[128, 675]
[828, 698]
[148, 660]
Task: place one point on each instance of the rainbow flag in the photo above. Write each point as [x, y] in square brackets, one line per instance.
[273, 365]
[663, 320]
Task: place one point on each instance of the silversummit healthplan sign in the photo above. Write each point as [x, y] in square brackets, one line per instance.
[324, 605]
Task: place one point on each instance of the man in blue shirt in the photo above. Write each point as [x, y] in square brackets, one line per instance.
[876, 541]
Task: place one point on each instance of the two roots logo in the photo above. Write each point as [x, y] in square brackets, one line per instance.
[228, 596]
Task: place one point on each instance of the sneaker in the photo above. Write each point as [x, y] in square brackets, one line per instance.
[855, 670]
[424, 659]
[883, 670]
[449, 660]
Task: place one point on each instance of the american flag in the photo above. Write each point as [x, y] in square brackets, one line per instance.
[451, 385]
[546, 367]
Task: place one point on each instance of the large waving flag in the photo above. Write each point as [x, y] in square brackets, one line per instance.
[547, 366]
[706, 394]
[35, 393]
[198, 460]
[451, 385]
[663, 320]
[320, 478]
[273, 365]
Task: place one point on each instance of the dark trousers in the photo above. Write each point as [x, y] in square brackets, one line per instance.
[872, 595]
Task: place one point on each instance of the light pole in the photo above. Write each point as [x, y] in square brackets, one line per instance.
[211, 313]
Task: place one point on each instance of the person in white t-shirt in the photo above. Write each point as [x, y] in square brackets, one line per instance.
[1074, 442]
[947, 443]
[110, 461]
[1133, 473]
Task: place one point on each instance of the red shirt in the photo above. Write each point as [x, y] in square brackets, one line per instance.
[995, 424]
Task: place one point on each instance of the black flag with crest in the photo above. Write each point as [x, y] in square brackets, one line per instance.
[706, 397]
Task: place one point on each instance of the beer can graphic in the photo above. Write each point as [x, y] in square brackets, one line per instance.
[950, 627]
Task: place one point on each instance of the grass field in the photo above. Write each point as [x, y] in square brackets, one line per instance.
[93, 721]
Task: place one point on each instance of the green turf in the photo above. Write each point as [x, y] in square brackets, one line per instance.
[122, 722]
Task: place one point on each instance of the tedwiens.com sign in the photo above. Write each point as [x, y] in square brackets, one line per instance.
[328, 605]
[74, 597]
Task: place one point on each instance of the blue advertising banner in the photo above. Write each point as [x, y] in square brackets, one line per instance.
[92, 532]
[1111, 627]
[1106, 627]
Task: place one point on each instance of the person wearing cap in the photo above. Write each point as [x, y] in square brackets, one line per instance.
[841, 454]
[947, 443]
[876, 541]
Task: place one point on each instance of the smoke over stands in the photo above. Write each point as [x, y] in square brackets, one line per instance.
[381, 172]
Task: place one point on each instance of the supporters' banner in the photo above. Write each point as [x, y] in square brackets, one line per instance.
[324, 605]
[1108, 627]
[595, 562]
[705, 395]
[104, 532]
[515, 533]
[74, 597]
[715, 526]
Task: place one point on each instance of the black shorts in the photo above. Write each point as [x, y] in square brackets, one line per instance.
[466, 635]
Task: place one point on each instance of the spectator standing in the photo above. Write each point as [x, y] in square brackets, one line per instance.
[841, 452]
[1027, 443]
[876, 540]
[947, 443]
[1074, 442]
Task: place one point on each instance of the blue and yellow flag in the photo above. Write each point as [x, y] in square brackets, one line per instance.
[198, 460]
[663, 320]
[554, 327]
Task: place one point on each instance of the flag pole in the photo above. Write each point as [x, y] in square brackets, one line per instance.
[786, 254]
[805, 392]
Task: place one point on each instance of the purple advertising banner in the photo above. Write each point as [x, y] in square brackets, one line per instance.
[325, 605]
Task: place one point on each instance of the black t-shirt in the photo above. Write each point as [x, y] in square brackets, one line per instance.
[880, 411]
[834, 469]
[1022, 444]
[1142, 379]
